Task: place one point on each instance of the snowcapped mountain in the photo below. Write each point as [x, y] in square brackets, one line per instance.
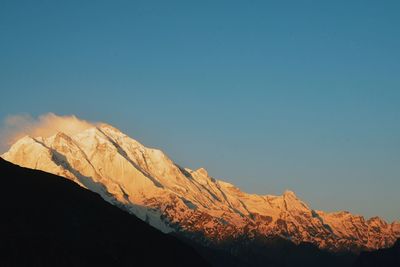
[147, 183]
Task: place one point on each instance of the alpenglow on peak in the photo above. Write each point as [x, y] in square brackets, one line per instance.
[147, 183]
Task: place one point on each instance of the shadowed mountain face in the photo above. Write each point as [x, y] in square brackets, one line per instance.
[389, 257]
[147, 183]
[271, 252]
[47, 220]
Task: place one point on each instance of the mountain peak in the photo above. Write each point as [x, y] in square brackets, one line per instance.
[24, 140]
[62, 135]
[289, 194]
[107, 126]
[202, 171]
[377, 221]
[19, 145]
[146, 182]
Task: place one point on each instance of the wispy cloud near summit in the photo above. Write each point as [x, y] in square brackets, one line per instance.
[17, 126]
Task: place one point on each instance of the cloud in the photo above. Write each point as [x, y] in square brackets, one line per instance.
[15, 127]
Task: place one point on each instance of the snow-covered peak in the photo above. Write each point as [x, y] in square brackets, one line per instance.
[202, 172]
[23, 141]
[292, 202]
[26, 146]
[109, 128]
[289, 194]
[377, 221]
[146, 182]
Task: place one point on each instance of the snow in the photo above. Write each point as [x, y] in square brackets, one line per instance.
[146, 182]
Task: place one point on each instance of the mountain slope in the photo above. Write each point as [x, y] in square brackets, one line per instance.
[145, 182]
[389, 257]
[50, 221]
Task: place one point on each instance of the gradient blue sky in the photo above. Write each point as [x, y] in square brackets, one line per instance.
[269, 95]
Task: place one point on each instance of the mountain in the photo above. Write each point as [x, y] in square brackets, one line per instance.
[47, 220]
[146, 182]
[389, 257]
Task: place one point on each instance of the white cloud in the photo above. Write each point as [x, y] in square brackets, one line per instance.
[17, 126]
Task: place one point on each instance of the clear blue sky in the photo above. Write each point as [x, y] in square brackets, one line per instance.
[269, 95]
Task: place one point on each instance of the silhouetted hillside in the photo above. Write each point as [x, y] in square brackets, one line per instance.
[50, 221]
[389, 257]
[47, 220]
[271, 252]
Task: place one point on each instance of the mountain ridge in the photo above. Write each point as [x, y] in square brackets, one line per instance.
[50, 221]
[146, 182]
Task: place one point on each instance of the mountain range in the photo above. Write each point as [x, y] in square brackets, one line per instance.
[147, 183]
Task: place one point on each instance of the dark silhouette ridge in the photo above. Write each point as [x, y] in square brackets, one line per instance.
[272, 252]
[389, 257]
[48, 220]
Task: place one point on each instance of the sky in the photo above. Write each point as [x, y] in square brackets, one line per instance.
[268, 95]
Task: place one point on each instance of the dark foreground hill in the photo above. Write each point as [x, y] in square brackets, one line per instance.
[47, 220]
[271, 252]
[389, 257]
